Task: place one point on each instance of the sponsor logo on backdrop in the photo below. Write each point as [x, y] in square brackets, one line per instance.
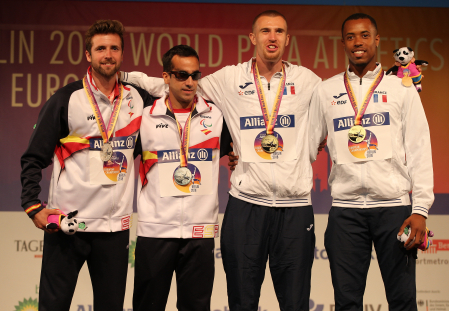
[90, 308]
[31, 246]
[435, 249]
[132, 253]
[226, 308]
[320, 253]
[433, 305]
[315, 307]
[27, 305]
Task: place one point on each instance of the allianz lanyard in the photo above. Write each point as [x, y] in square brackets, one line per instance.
[106, 132]
[360, 112]
[183, 134]
[270, 120]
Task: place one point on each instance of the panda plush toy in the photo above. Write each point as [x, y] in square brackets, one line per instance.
[405, 66]
[67, 223]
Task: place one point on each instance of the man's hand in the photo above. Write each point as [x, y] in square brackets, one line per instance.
[232, 159]
[322, 145]
[40, 219]
[418, 225]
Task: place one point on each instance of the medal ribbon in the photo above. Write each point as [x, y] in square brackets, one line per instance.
[270, 120]
[106, 132]
[183, 134]
[360, 112]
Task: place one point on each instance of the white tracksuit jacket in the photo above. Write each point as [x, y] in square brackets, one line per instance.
[232, 89]
[176, 214]
[67, 133]
[397, 160]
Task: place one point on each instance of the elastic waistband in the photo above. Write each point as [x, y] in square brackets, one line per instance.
[366, 202]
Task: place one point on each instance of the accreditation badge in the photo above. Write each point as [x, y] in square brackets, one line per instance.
[375, 145]
[278, 146]
[116, 169]
[193, 179]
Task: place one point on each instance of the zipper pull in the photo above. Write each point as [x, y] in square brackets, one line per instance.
[360, 81]
[268, 86]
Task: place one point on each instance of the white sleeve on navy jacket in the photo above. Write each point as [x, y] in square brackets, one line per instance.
[383, 181]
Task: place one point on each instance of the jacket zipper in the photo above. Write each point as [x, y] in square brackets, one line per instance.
[182, 199]
[274, 184]
[182, 218]
[272, 164]
[362, 173]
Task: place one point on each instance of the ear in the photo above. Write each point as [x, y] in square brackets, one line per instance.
[394, 52]
[252, 37]
[166, 77]
[288, 40]
[410, 49]
[88, 56]
[377, 39]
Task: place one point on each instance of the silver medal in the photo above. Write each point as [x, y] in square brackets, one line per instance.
[106, 152]
[182, 176]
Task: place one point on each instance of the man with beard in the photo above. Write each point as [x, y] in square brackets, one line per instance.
[269, 214]
[89, 129]
[379, 143]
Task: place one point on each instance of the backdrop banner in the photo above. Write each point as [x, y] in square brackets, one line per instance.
[43, 50]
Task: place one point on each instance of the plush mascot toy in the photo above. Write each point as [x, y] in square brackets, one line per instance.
[67, 223]
[405, 66]
[424, 245]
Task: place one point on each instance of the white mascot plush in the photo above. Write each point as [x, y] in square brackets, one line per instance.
[67, 223]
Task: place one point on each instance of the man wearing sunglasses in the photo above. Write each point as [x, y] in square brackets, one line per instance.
[269, 214]
[178, 195]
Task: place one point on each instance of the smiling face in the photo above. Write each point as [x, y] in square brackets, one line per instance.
[360, 40]
[270, 38]
[106, 55]
[182, 92]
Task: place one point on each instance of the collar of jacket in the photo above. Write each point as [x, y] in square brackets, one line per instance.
[160, 109]
[369, 75]
[250, 71]
[97, 92]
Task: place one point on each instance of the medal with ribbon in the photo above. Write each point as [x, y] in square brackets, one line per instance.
[183, 175]
[269, 143]
[357, 133]
[106, 132]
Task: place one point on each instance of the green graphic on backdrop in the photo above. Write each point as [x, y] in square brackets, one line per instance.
[132, 250]
[27, 305]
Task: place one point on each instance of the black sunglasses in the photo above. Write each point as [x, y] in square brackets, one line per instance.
[182, 75]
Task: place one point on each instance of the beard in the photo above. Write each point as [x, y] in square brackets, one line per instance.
[106, 73]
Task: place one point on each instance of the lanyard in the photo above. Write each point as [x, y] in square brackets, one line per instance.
[360, 112]
[183, 134]
[106, 132]
[270, 120]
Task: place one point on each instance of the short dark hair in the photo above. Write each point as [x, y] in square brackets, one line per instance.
[105, 26]
[180, 50]
[270, 13]
[359, 16]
